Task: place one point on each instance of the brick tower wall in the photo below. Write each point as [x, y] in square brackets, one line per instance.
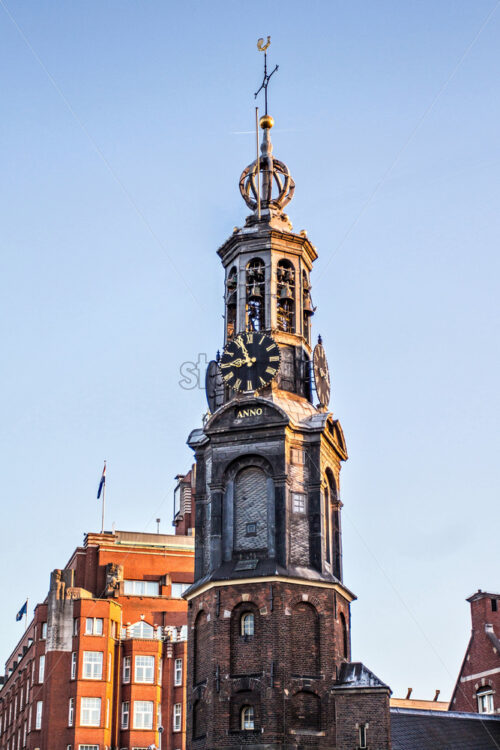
[285, 670]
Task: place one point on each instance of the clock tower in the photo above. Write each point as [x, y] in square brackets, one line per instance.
[269, 613]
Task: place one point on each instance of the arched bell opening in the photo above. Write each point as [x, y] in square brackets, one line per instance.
[255, 286]
[231, 302]
[285, 296]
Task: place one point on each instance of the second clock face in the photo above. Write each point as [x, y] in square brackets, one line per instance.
[250, 361]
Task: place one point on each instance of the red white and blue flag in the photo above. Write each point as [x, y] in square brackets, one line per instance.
[102, 482]
[23, 611]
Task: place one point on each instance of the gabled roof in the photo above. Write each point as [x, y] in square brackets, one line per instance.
[443, 730]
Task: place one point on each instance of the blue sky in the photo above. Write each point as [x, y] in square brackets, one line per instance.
[124, 132]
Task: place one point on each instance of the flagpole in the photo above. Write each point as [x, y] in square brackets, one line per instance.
[26, 616]
[103, 500]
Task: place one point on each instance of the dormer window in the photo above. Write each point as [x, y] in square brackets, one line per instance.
[285, 294]
[255, 295]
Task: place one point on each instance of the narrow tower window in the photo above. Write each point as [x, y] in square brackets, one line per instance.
[285, 293]
[362, 736]
[307, 307]
[255, 295]
[247, 624]
[345, 642]
[231, 298]
[247, 718]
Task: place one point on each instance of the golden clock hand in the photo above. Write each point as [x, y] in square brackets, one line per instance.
[248, 359]
[234, 363]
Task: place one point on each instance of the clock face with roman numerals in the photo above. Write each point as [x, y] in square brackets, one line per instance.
[250, 361]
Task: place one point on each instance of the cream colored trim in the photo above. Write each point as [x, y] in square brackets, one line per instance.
[477, 676]
[134, 551]
[274, 579]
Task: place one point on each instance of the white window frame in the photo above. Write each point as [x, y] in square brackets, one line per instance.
[247, 624]
[92, 665]
[143, 714]
[87, 718]
[71, 712]
[94, 626]
[485, 703]
[110, 664]
[178, 588]
[127, 669]
[144, 673]
[141, 588]
[178, 672]
[75, 626]
[41, 668]
[299, 503]
[88, 747]
[74, 665]
[39, 715]
[177, 717]
[125, 715]
[141, 629]
[43, 633]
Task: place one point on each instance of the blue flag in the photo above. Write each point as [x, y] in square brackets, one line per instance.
[102, 482]
[23, 611]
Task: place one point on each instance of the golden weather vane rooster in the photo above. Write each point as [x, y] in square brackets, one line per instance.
[260, 44]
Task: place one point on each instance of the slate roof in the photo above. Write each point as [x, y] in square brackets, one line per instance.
[356, 675]
[443, 730]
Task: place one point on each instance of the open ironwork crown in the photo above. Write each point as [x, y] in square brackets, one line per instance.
[276, 186]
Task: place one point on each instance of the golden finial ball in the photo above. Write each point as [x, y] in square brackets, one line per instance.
[266, 122]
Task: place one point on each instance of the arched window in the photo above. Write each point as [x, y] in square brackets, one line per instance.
[307, 307]
[255, 295]
[247, 718]
[485, 700]
[199, 719]
[306, 639]
[345, 639]
[201, 654]
[285, 293]
[306, 712]
[141, 629]
[333, 538]
[245, 640]
[326, 521]
[250, 509]
[231, 299]
[247, 624]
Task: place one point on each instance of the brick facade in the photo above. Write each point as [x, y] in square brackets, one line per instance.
[480, 671]
[285, 670]
[95, 638]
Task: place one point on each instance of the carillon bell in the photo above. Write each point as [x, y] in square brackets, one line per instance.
[285, 292]
[308, 306]
[231, 297]
[255, 292]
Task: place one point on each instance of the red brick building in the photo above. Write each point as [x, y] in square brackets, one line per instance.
[478, 685]
[103, 663]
